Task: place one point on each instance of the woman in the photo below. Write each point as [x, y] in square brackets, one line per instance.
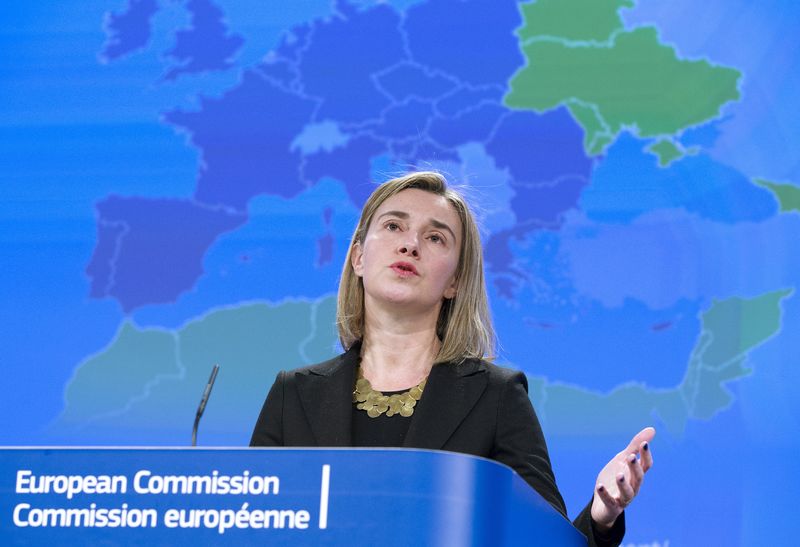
[414, 320]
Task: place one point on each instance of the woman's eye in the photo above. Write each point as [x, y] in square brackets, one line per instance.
[392, 226]
[436, 238]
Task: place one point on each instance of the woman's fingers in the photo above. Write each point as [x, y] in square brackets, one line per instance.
[606, 497]
[615, 491]
[636, 472]
[626, 492]
[646, 456]
[644, 436]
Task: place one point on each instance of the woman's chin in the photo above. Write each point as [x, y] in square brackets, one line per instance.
[407, 299]
[400, 299]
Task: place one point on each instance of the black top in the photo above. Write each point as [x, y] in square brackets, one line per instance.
[382, 430]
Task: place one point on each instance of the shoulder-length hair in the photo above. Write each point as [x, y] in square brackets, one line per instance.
[464, 325]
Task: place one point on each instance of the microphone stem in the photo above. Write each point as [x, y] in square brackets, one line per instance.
[203, 401]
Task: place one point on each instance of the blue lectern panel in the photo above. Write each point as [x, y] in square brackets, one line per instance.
[268, 496]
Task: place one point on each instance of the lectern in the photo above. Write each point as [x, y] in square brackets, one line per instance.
[269, 496]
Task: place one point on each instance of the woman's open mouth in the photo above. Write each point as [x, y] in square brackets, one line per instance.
[404, 269]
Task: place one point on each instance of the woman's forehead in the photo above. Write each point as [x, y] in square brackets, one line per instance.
[421, 205]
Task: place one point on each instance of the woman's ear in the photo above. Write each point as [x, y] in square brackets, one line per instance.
[357, 259]
[450, 292]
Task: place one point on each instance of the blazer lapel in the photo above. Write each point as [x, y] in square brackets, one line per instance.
[450, 393]
[326, 393]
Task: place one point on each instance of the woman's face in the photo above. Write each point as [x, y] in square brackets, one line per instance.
[411, 251]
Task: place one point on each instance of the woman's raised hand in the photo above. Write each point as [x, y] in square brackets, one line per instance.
[620, 480]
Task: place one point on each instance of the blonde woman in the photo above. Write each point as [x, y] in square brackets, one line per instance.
[414, 320]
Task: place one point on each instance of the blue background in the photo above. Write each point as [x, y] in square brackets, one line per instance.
[179, 181]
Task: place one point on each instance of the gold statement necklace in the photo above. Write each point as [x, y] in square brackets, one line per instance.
[376, 403]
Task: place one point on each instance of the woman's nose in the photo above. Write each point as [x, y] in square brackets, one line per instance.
[409, 247]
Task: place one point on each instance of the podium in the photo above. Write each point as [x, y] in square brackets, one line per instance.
[269, 496]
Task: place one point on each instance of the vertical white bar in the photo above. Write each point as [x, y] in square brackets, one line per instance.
[323, 496]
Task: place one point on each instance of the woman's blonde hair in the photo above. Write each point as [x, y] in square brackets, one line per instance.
[464, 325]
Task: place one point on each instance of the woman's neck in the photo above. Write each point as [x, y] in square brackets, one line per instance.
[393, 360]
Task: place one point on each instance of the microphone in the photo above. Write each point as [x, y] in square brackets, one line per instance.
[203, 401]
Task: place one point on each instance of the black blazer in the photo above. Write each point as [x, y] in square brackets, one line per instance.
[473, 407]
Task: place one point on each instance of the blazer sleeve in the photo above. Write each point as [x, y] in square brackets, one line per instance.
[520, 444]
[269, 427]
